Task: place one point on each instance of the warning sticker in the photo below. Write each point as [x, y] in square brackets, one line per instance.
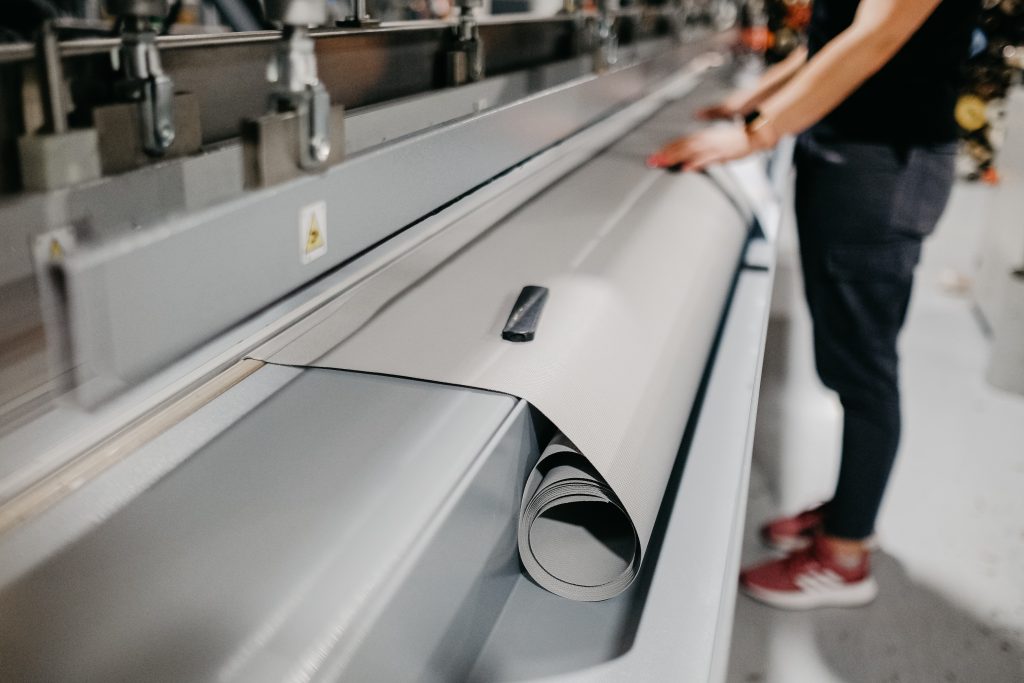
[313, 231]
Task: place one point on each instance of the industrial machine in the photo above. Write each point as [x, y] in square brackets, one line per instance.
[374, 352]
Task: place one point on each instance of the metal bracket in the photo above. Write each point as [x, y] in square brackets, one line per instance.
[55, 156]
[605, 40]
[465, 61]
[301, 131]
[298, 89]
[360, 17]
[146, 83]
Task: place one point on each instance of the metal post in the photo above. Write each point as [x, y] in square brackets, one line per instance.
[144, 79]
[606, 47]
[51, 80]
[294, 74]
[466, 58]
[360, 17]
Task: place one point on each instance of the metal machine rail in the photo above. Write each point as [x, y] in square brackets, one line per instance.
[64, 432]
[123, 324]
[358, 67]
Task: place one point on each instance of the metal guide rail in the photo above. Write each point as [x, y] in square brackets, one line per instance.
[427, 150]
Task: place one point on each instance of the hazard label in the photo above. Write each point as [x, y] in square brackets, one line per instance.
[56, 251]
[313, 231]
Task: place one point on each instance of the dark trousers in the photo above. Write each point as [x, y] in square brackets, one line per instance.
[862, 211]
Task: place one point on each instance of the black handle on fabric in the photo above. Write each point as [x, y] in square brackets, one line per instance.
[522, 321]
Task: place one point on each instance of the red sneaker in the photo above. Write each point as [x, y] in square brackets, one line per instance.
[810, 578]
[794, 533]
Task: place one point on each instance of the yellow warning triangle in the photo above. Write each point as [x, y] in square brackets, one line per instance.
[56, 251]
[314, 238]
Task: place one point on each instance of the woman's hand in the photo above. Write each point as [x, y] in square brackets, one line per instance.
[732, 106]
[709, 146]
[717, 112]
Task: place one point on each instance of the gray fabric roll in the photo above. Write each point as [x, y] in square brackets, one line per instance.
[575, 537]
[638, 264]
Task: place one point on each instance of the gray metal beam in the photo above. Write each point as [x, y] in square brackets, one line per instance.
[137, 302]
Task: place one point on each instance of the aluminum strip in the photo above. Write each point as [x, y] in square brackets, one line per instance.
[95, 461]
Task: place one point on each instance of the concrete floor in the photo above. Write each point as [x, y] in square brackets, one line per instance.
[951, 564]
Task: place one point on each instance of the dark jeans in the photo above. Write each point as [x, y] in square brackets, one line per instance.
[862, 212]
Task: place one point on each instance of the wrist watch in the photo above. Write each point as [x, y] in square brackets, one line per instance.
[759, 127]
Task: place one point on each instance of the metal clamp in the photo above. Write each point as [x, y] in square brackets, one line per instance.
[605, 39]
[298, 89]
[144, 79]
[466, 58]
[302, 132]
[360, 17]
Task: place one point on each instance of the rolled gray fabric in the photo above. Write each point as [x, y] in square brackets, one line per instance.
[638, 264]
[575, 537]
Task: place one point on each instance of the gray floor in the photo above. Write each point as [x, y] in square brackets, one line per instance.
[951, 567]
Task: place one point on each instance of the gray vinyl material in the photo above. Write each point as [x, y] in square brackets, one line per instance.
[677, 625]
[275, 536]
[675, 622]
[432, 618]
[236, 564]
[639, 263]
[185, 582]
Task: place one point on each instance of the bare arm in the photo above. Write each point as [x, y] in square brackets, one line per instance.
[743, 101]
[879, 29]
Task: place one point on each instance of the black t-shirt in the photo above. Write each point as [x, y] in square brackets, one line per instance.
[910, 100]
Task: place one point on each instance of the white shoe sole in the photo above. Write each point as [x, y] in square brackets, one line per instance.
[848, 595]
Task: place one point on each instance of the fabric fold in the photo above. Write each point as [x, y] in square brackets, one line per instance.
[639, 264]
[575, 537]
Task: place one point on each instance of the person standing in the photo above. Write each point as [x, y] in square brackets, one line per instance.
[872, 99]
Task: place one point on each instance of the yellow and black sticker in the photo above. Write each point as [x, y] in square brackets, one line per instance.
[313, 231]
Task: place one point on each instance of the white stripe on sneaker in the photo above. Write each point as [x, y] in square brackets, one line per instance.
[817, 589]
[818, 581]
